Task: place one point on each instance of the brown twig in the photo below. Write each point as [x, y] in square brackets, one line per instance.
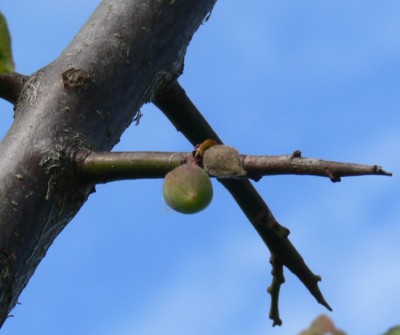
[104, 167]
[176, 105]
[277, 280]
[11, 85]
[295, 164]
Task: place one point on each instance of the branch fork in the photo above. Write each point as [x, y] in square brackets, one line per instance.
[180, 110]
[103, 167]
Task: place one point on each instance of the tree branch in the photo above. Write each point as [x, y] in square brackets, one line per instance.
[104, 167]
[277, 280]
[11, 85]
[84, 99]
[178, 108]
[295, 164]
[183, 114]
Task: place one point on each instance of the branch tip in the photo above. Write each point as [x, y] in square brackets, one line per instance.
[316, 292]
[380, 171]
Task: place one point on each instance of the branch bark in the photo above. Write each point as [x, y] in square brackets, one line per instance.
[85, 99]
[11, 86]
[105, 167]
[295, 164]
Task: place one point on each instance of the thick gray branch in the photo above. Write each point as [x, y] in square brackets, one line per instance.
[85, 99]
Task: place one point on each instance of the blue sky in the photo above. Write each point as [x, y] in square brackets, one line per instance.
[271, 77]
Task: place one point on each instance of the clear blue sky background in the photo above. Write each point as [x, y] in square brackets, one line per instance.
[271, 77]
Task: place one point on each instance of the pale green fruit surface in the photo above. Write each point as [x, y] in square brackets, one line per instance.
[187, 189]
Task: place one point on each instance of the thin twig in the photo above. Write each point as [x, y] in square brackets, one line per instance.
[11, 85]
[176, 105]
[104, 167]
[277, 280]
[295, 164]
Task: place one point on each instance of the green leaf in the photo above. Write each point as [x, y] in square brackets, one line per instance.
[6, 60]
[393, 331]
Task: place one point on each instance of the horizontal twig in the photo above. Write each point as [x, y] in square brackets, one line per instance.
[103, 167]
[297, 165]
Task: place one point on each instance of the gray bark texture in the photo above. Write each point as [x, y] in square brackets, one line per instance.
[126, 52]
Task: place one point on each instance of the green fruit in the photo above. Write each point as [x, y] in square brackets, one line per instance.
[187, 189]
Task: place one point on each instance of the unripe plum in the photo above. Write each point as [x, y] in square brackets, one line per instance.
[187, 189]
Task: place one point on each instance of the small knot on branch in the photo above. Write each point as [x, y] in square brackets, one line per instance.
[295, 154]
[277, 270]
[334, 178]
